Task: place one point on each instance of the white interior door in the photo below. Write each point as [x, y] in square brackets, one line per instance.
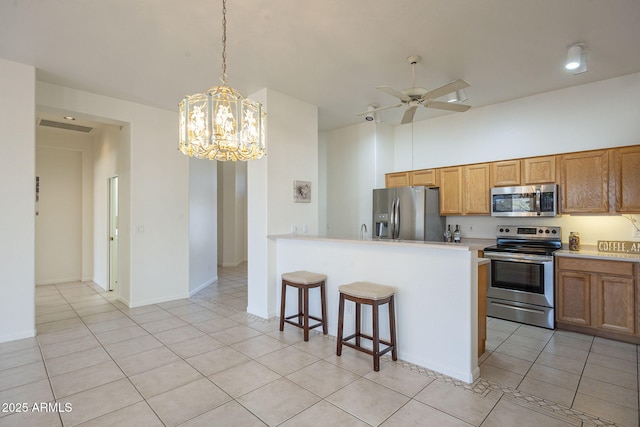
[113, 233]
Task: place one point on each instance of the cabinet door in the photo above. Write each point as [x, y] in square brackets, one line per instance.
[505, 173]
[451, 191]
[584, 182]
[626, 179]
[613, 303]
[396, 179]
[539, 170]
[477, 189]
[426, 177]
[574, 297]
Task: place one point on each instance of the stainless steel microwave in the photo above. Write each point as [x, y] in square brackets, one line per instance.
[528, 200]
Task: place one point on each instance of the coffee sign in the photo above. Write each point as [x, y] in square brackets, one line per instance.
[619, 246]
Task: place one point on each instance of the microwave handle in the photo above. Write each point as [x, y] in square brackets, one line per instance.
[538, 198]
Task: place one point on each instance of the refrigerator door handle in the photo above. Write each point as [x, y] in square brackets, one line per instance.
[397, 224]
[392, 221]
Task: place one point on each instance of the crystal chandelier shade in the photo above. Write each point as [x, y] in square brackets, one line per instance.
[221, 124]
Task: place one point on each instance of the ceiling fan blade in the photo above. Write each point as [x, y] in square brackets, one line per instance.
[451, 106]
[443, 90]
[393, 92]
[408, 115]
[378, 109]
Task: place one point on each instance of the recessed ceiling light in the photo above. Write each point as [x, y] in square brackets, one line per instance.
[69, 118]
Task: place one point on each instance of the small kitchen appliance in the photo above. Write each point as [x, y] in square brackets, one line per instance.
[521, 285]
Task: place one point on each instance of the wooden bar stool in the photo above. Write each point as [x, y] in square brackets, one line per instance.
[374, 295]
[303, 281]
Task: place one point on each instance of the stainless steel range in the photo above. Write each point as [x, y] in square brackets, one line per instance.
[521, 286]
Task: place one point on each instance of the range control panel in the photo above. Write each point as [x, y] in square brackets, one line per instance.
[528, 232]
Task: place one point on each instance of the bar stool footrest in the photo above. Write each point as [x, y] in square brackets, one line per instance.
[364, 349]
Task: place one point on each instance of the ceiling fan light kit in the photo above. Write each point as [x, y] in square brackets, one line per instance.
[414, 97]
[576, 59]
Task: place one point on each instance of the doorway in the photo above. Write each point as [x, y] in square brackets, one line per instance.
[113, 233]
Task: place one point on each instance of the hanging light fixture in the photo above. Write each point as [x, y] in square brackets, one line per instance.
[221, 124]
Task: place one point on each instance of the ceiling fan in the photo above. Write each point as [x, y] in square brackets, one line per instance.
[416, 96]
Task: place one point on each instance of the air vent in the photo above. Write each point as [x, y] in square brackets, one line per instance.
[67, 126]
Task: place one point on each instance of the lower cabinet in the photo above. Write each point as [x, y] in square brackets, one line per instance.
[597, 297]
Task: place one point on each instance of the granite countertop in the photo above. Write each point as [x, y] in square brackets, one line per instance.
[591, 251]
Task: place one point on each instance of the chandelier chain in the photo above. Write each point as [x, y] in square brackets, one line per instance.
[224, 42]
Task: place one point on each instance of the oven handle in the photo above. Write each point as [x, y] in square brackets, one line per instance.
[533, 259]
[515, 307]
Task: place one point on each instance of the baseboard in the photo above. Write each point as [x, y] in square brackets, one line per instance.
[204, 285]
[18, 336]
[59, 281]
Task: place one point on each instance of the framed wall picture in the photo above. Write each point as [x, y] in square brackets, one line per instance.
[301, 191]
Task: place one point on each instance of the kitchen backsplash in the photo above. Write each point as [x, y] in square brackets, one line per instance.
[591, 228]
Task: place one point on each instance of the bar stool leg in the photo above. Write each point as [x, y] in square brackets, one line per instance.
[340, 324]
[358, 319]
[392, 328]
[283, 298]
[376, 336]
[306, 313]
[300, 302]
[323, 305]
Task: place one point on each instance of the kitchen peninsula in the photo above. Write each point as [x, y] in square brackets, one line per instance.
[436, 302]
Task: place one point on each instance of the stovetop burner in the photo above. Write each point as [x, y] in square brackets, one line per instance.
[528, 240]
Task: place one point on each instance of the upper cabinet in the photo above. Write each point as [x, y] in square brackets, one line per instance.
[539, 170]
[477, 189]
[625, 179]
[464, 190]
[397, 179]
[426, 177]
[451, 191]
[591, 182]
[584, 182]
[506, 173]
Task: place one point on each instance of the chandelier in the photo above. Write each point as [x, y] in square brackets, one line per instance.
[221, 124]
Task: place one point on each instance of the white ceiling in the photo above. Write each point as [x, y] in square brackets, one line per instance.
[330, 53]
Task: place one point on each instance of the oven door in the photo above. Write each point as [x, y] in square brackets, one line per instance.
[523, 278]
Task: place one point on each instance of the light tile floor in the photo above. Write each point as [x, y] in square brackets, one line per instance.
[204, 362]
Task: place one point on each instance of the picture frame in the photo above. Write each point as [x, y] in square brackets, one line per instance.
[301, 191]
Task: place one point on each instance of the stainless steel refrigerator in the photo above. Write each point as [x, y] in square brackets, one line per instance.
[407, 213]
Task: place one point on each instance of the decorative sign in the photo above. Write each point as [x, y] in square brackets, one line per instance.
[618, 246]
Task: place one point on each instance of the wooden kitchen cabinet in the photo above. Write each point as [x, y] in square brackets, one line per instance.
[625, 179]
[584, 182]
[451, 191]
[477, 188]
[506, 173]
[597, 297]
[464, 190]
[426, 177]
[573, 297]
[539, 170]
[613, 303]
[396, 179]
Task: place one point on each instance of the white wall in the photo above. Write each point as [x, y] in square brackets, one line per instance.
[59, 222]
[232, 208]
[154, 211]
[590, 116]
[17, 190]
[357, 158]
[292, 154]
[203, 224]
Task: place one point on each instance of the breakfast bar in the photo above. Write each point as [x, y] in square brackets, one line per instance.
[436, 301]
